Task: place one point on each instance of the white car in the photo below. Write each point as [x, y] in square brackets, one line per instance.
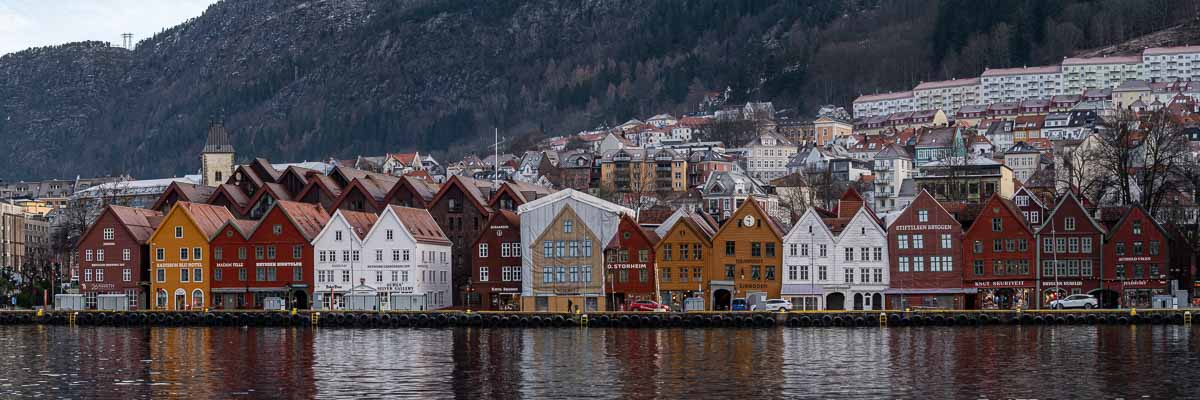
[778, 305]
[1076, 301]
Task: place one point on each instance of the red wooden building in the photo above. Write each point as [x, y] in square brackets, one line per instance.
[999, 257]
[1137, 260]
[461, 210]
[923, 245]
[114, 257]
[274, 257]
[1070, 244]
[496, 265]
[629, 264]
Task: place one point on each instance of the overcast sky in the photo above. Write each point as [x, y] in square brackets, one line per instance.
[33, 23]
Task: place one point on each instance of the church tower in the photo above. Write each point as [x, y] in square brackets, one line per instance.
[216, 161]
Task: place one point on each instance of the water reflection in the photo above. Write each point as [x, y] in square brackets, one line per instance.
[992, 362]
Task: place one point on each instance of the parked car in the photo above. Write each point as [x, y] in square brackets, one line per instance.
[739, 305]
[1076, 301]
[778, 305]
[648, 305]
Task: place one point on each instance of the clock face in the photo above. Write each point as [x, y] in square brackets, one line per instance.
[748, 220]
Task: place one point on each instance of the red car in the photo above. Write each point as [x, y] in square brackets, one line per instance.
[648, 305]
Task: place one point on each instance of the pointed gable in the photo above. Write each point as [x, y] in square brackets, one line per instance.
[207, 218]
[182, 191]
[1004, 207]
[308, 219]
[471, 188]
[420, 225]
[751, 206]
[411, 191]
[1070, 205]
[230, 196]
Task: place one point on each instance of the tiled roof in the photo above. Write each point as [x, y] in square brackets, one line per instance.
[138, 221]
[208, 218]
[421, 225]
[309, 219]
[359, 221]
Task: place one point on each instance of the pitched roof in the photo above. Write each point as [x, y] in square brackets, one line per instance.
[522, 192]
[187, 192]
[577, 196]
[1102, 60]
[232, 192]
[1047, 69]
[139, 222]
[884, 96]
[218, 139]
[946, 84]
[471, 187]
[421, 225]
[309, 219]
[207, 217]
[361, 222]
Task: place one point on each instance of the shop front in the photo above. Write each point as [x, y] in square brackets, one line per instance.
[503, 298]
[1140, 293]
[803, 296]
[931, 299]
[1052, 289]
[1005, 294]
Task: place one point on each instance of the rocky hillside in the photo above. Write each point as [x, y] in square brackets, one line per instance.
[307, 80]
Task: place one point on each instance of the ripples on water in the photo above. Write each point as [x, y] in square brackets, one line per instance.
[929, 362]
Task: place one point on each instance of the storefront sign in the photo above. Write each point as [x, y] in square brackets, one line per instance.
[505, 289]
[923, 228]
[498, 227]
[103, 265]
[385, 266]
[178, 265]
[1122, 259]
[1144, 282]
[277, 264]
[999, 284]
[1062, 283]
[396, 287]
[627, 266]
[752, 286]
[98, 286]
[230, 265]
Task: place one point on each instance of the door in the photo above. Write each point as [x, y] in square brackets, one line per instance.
[721, 300]
[180, 300]
[876, 301]
[858, 301]
[301, 300]
[835, 301]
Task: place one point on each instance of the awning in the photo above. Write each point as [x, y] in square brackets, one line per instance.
[801, 289]
[932, 291]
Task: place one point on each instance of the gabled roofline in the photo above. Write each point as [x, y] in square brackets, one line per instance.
[935, 201]
[820, 222]
[355, 183]
[1034, 196]
[319, 185]
[1071, 196]
[761, 212]
[237, 227]
[337, 214]
[1128, 212]
[108, 209]
[1009, 208]
[453, 181]
[221, 191]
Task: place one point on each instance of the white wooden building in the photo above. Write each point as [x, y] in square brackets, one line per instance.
[836, 262]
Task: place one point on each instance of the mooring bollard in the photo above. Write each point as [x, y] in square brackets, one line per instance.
[316, 317]
[583, 320]
[882, 320]
[1132, 312]
[1187, 317]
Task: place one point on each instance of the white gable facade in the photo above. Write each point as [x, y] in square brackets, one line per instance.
[334, 253]
[824, 271]
[394, 263]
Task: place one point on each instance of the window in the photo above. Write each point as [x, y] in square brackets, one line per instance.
[822, 253]
[242, 275]
[183, 253]
[667, 252]
[729, 271]
[568, 226]
[804, 272]
[242, 254]
[792, 249]
[1137, 227]
[918, 241]
[1069, 223]
[483, 250]
[109, 233]
[978, 247]
[218, 253]
[997, 245]
[160, 254]
[573, 248]
[406, 255]
[822, 273]
[87, 255]
[277, 229]
[770, 249]
[87, 275]
[946, 242]
[849, 254]
[337, 235]
[178, 232]
[587, 249]
[923, 215]
[1154, 247]
[1073, 245]
[218, 275]
[1138, 249]
[770, 272]
[755, 249]
[126, 275]
[1061, 245]
[161, 275]
[270, 252]
[1022, 245]
[184, 274]
[902, 241]
[643, 255]
[1120, 248]
[297, 252]
[389, 234]
[483, 274]
[996, 225]
[804, 249]
[730, 247]
[918, 264]
[878, 254]
[259, 252]
[848, 275]
[978, 267]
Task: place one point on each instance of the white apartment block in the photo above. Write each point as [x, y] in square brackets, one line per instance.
[883, 104]
[947, 96]
[1079, 74]
[1015, 84]
[767, 156]
[1171, 63]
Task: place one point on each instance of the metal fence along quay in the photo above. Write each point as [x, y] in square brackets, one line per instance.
[489, 319]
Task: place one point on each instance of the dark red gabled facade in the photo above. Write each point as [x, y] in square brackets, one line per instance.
[1070, 254]
[1031, 207]
[411, 191]
[277, 260]
[629, 265]
[999, 257]
[1138, 263]
[114, 257]
[496, 265]
[461, 210]
[926, 258]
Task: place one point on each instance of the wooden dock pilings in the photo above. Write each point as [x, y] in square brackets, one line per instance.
[440, 319]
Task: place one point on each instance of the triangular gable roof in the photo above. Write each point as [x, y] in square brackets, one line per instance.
[1071, 197]
[206, 217]
[810, 214]
[421, 226]
[468, 186]
[248, 173]
[322, 183]
[360, 222]
[1036, 199]
[243, 227]
[186, 192]
[417, 185]
[138, 222]
[1008, 206]
[275, 190]
[849, 204]
[650, 237]
[369, 190]
[308, 219]
[771, 223]
[942, 207]
[232, 193]
[1128, 212]
[266, 171]
[518, 190]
